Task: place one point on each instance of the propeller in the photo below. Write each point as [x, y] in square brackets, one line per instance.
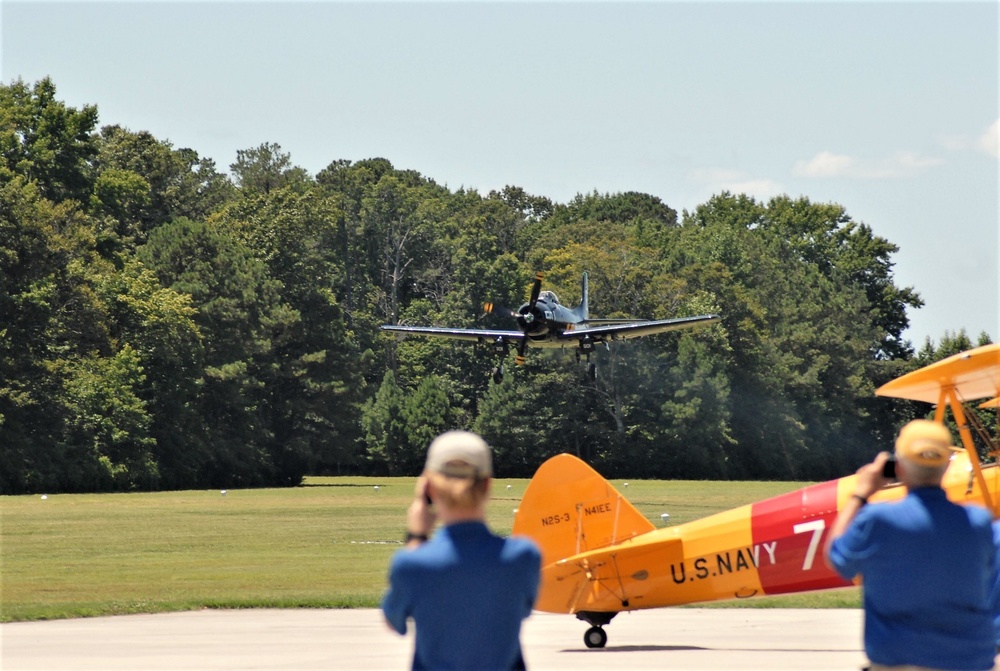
[495, 309]
[526, 317]
[529, 318]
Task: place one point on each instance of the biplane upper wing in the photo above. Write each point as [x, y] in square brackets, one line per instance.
[636, 329]
[971, 375]
[473, 335]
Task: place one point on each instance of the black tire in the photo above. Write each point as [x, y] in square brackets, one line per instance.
[595, 637]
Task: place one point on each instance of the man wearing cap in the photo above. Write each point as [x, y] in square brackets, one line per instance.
[927, 564]
[466, 589]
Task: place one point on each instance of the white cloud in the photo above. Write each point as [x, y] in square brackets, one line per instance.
[826, 164]
[901, 164]
[989, 141]
[716, 180]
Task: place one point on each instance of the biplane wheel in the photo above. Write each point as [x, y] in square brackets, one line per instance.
[595, 637]
[498, 374]
[592, 371]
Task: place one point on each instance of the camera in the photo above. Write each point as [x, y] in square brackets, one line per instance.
[889, 468]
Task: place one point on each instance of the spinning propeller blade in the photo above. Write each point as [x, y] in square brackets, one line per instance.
[496, 309]
[528, 316]
[536, 289]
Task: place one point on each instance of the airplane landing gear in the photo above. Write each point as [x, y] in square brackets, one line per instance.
[595, 637]
[591, 366]
[501, 348]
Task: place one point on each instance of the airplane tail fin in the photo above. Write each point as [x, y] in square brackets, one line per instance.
[568, 508]
[582, 311]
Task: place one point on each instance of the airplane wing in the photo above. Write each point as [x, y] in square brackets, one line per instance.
[473, 335]
[973, 374]
[608, 580]
[636, 329]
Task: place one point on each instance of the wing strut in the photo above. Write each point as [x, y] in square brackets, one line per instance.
[949, 399]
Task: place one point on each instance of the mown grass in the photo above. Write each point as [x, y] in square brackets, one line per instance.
[326, 544]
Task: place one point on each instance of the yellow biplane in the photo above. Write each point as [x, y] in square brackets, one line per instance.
[601, 556]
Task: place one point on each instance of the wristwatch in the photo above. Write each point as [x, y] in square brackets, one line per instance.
[410, 536]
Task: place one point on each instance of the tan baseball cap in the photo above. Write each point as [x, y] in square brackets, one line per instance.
[460, 454]
[924, 442]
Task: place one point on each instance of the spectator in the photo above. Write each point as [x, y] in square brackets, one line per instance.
[466, 589]
[928, 564]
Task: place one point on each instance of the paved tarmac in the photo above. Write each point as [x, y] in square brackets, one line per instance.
[354, 640]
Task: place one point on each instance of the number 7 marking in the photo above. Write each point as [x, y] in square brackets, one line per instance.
[816, 526]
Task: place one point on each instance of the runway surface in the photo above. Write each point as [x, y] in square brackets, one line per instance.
[228, 640]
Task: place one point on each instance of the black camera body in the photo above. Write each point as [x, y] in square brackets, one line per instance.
[889, 468]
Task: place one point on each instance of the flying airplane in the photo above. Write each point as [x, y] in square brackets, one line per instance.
[544, 322]
[601, 556]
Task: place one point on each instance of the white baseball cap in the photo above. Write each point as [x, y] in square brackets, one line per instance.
[460, 454]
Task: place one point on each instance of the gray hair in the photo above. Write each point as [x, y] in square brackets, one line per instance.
[919, 475]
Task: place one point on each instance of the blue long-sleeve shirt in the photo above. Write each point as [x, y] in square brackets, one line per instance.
[467, 591]
[929, 568]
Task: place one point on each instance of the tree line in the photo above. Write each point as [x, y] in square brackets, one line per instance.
[165, 325]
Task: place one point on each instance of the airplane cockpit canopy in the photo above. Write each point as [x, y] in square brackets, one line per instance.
[548, 297]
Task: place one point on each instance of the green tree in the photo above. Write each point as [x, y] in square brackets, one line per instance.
[158, 325]
[47, 142]
[803, 329]
[315, 379]
[239, 312]
[427, 413]
[383, 422]
[50, 317]
[144, 183]
[108, 441]
[266, 168]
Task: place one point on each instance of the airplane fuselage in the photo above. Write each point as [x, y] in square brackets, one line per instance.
[765, 548]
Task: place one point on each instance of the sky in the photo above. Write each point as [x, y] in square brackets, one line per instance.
[889, 109]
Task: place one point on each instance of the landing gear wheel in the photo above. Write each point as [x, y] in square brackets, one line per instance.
[498, 374]
[592, 371]
[595, 637]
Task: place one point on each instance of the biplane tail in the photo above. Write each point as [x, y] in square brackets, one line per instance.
[568, 508]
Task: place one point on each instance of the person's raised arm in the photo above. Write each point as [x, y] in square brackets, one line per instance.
[869, 481]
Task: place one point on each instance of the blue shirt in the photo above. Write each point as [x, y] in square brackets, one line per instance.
[928, 567]
[996, 585]
[467, 591]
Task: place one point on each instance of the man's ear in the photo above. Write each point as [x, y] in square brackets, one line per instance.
[900, 470]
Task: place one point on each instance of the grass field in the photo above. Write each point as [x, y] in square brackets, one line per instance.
[326, 544]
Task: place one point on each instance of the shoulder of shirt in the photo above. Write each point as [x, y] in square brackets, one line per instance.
[522, 544]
